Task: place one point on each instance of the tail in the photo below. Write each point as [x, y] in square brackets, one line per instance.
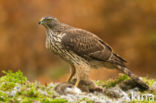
[125, 70]
[119, 63]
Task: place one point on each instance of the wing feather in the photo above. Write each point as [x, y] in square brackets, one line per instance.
[86, 44]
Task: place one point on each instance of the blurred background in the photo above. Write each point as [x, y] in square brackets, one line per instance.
[129, 26]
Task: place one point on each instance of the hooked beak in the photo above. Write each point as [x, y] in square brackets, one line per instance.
[41, 21]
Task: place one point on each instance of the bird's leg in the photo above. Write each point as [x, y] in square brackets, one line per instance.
[77, 83]
[78, 79]
[72, 73]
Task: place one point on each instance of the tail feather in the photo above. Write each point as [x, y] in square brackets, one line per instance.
[126, 71]
[120, 64]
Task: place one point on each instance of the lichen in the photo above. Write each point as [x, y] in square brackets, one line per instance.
[15, 88]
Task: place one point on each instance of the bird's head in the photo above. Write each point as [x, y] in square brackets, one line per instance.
[49, 22]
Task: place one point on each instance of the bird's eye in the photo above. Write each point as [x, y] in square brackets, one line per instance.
[49, 20]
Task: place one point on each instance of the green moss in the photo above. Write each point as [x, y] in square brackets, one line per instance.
[14, 88]
[7, 86]
[112, 83]
[10, 80]
[148, 81]
[54, 101]
[3, 96]
[87, 100]
[16, 77]
[31, 92]
[142, 102]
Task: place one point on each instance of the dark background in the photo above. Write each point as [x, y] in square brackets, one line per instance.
[129, 26]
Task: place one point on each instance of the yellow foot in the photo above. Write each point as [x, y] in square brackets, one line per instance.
[77, 83]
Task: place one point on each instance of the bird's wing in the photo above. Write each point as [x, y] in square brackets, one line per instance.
[86, 44]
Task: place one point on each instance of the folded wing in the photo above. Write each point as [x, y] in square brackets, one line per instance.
[88, 46]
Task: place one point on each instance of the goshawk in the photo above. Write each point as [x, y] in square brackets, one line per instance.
[82, 50]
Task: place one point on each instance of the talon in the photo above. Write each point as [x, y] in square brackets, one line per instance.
[77, 83]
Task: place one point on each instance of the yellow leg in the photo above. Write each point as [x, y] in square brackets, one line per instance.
[77, 83]
[72, 71]
[69, 78]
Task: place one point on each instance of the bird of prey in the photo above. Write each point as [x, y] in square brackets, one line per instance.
[82, 50]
